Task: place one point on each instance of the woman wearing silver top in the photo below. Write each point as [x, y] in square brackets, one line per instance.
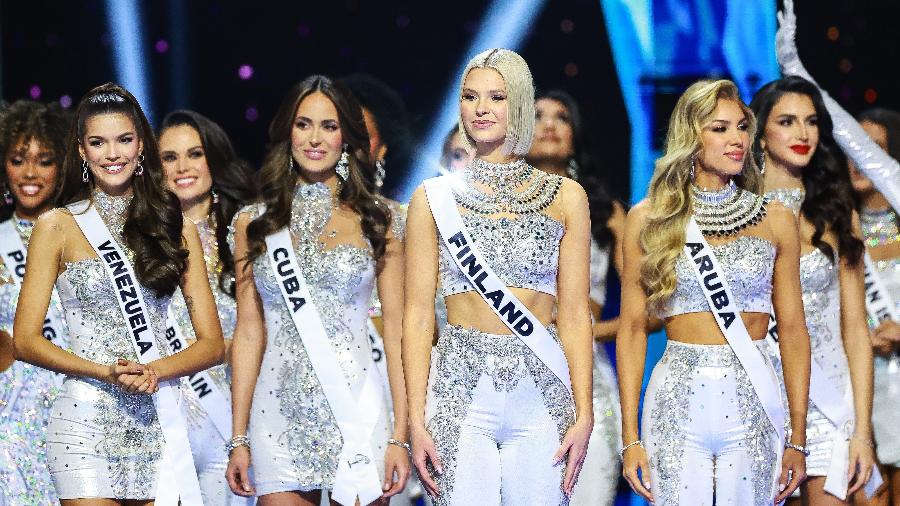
[498, 424]
[706, 435]
[105, 442]
[32, 148]
[212, 184]
[804, 170]
[312, 183]
[558, 149]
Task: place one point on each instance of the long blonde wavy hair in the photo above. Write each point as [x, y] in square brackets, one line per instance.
[662, 238]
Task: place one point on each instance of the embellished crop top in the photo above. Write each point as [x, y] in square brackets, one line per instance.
[523, 250]
[748, 262]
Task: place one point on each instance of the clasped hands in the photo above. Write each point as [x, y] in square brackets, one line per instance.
[132, 377]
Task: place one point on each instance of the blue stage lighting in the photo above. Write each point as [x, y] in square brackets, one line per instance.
[126, 30]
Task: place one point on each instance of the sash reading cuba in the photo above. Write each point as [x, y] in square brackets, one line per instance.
[15, 255]
[177, 474]
[475, 267]
[356, 415]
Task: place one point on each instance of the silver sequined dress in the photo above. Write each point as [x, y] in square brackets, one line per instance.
[822, 308]
[26, 394]
[103, 442]
[294, 436]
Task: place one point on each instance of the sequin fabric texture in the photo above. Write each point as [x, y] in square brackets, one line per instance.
[748, 262]
[103, 442]
[703, 421]
[821, 305]
[26, 395]
[295, 438]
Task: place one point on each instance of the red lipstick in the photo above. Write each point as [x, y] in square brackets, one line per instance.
[801, 149]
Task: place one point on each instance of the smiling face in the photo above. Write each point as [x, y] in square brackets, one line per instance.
[184, 163]
[483, 107]
[791, 132]
[111, 148]
[32, 174]
[316, 140]
[553, 133]
[725, 140]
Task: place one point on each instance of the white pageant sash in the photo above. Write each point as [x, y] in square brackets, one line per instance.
[177, 474]
[723, 307]
[879, 304]
[838, 408]
[15, 255]
[476, 268]
[216, 405]
[357, 473]
[379, 357]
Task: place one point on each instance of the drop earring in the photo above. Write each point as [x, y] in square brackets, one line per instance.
[7, 197]
[343, 166]
[379, 173]
[762, 166]
[693, 158]
[572, 169]
[84, 171]
[140, 167]
[215, 196]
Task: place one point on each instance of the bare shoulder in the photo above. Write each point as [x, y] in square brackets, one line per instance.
[781, 219]
[58, 220]
[637, 215]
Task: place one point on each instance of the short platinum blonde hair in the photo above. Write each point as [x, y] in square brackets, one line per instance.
[519, 98]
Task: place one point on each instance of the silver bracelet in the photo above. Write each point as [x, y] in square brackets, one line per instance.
[801, 449]
[625, 448]
[235, 442]
[401, 444]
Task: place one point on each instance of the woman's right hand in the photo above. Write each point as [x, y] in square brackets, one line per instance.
[132, 377]
[238, 472]
[635, 460]
[423, 451]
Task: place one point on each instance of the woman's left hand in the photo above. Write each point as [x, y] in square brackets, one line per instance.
[575, 445]
[396, 464]
[862, 461]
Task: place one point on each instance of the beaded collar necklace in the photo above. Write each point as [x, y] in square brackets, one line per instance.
[879, 227]
[726, 212]
[23, 227]
[505, 180]
[113, 210]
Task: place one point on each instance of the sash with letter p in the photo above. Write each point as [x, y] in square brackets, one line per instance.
[177, 474]
[357, 473]
[477, 270]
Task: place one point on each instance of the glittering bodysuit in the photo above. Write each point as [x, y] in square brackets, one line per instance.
[26, 395]
[822, 308]
[294, 436]
[496, 412]
[103, 442]
[206, 443]
[706, 433]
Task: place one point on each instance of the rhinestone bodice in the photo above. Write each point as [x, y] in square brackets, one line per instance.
[748, 262]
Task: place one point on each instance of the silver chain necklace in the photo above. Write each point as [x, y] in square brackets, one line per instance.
[726, 212]
[504, 181]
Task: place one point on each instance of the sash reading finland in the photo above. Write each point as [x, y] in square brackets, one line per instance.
[177, 474]
[475, 267]
[356, 415]
[15, 255]
[214, 402]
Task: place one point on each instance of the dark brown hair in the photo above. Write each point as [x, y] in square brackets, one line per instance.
[276, 181]
[232, 179]
[154, 223]
[26, 121]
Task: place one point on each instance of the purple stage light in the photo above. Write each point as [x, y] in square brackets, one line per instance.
[251, 114]
[35, 92]
[162, 46]
[245, 72]
[65, 101]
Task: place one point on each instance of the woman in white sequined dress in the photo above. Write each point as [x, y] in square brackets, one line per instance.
[105, 440]
[804, 170]
[287, 440]
[212, 183]
[710, 429]
[32, 148]
[558, 149]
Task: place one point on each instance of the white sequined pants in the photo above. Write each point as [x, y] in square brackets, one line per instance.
[707, 436]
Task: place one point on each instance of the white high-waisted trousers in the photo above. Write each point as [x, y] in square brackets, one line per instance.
[497, 415]
[707, 436]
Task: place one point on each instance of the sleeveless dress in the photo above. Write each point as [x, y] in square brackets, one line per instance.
[26, 395]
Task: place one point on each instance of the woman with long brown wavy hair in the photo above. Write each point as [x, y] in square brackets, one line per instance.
[116, 253]
[713, 416]
[309, 412]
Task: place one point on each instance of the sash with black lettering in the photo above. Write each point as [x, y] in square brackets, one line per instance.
[15, 255]
[837, 407]
[216, 405]
[879, 304]
[177, 474]
[356, 416]
[475, 267]
[378, 356]
[723, 307]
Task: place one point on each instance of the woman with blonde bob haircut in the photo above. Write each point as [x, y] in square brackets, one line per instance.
[712, 413]
[509, 398]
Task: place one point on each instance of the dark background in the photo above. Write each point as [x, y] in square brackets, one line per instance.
[65, 49]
